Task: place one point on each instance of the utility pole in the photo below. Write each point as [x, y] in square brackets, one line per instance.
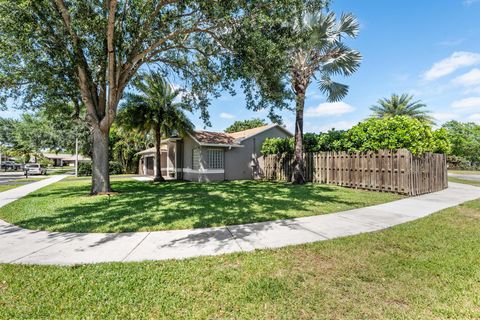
[76, 156]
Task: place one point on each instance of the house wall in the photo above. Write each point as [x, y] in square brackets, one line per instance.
[170, 161]
[189, 173]
[239, 163]
[188, 145]
[247, 163]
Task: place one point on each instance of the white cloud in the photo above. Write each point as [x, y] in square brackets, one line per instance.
[474, 117]
[449, 65]
[474, 90]
[467, 103]
[328, 109]
[469, 2]
[324, 127]
[314, 95]
[470, 78]
[225, 115]
[444, 116]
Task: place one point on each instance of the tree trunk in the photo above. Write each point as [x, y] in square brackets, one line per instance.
[298, 176]
[158, 156]
[100, 172]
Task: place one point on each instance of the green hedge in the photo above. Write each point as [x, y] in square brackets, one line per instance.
[373, 134]
[400, 132]
[85, 168]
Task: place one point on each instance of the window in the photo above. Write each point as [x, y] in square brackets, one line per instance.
[215, 158]
[196, 159]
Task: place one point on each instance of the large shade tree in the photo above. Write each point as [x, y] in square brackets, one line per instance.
[319, 53]
[86, 52]
[155, 109]
[401, 105]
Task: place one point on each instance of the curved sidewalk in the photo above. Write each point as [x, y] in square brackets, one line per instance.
[23, 246]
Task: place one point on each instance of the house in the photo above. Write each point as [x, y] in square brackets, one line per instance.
[212, 156]
[62, 159]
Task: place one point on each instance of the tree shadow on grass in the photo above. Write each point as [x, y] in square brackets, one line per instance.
[142, 206]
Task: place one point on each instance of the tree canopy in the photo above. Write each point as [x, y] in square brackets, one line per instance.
[40, 132]
[241, 125]
[465, 139]
[154, 108]
[86, 53]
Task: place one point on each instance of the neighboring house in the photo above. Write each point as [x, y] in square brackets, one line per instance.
[63, 159]
[212, 156]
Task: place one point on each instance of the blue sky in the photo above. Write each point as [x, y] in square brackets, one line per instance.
[427, 48]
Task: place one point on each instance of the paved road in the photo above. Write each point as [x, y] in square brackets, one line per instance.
[11, 175]
[23, 246]
[471, 177]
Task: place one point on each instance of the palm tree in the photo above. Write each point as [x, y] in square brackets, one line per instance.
[155, 109]
[319, 54]
[401, 106]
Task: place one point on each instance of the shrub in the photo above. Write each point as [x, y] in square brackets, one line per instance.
[332, 140]
[44, 161]
[85, 168]
[116, 167]
[400, 132]
[396, 133]
[277, 146]
[461, 163]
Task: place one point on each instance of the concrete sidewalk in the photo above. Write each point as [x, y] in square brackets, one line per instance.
[23, 246]
[13, 194]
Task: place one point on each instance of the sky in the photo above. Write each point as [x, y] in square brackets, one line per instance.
[427, 48]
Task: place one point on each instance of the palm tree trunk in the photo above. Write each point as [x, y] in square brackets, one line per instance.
[158, 155]
[298, 176]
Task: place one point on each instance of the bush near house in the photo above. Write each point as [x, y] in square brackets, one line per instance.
[312, 142]
[399, 132]
[85, 168]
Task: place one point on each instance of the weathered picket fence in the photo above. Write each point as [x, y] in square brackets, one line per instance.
[390, 171]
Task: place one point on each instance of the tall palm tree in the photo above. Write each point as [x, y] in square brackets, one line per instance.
[155, 109]
[319, 54]
[401, 105]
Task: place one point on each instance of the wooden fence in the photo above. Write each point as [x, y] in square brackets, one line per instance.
[389, 171]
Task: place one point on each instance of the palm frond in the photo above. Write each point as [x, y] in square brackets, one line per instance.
[401, 105]
[333, 90]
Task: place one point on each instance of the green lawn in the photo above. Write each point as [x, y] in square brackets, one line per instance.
[5, 187]
[142, 206]
[427, 269]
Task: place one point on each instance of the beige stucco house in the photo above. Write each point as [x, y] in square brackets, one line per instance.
[212, 156]
[63, 159]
